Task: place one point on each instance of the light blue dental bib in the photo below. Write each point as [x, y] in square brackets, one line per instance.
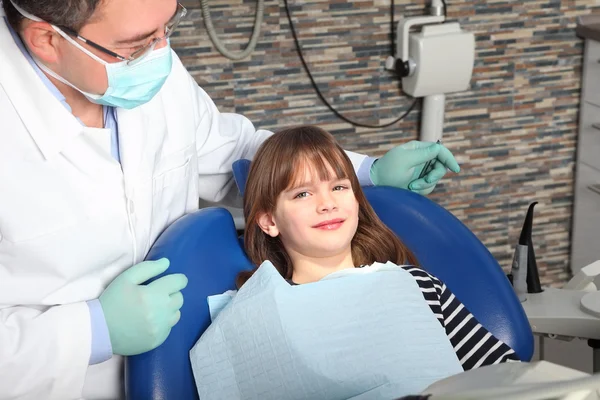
[348, 336]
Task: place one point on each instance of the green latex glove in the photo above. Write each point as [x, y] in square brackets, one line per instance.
[401, 166]
[140, 317]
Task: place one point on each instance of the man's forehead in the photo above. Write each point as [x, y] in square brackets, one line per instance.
[123, 19]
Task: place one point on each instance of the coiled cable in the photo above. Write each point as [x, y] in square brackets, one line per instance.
[260, 8]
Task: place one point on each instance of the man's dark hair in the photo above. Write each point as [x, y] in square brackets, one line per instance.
[69, 13]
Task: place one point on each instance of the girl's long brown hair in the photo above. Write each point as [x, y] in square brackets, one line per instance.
[279, 162]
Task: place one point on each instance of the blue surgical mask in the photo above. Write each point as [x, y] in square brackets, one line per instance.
[129, 85]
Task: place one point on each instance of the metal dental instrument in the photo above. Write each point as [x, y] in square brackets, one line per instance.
[428, 164]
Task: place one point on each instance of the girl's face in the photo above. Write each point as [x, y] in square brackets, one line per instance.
[314, 218]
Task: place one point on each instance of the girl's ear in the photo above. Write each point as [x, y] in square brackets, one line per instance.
[267, 224]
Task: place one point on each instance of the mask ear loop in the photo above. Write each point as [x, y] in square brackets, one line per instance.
[45, 68]
[63, 80]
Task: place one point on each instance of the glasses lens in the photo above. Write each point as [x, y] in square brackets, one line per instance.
[143, 52]
[174, 22]
[169, 29]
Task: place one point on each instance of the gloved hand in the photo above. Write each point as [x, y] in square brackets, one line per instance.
[140, 317]
[401, 166]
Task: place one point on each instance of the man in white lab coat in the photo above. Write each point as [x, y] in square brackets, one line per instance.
[105, 140]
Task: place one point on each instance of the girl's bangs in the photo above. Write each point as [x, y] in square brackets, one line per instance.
[318, 162]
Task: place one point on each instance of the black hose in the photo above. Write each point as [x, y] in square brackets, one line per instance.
[316, 87]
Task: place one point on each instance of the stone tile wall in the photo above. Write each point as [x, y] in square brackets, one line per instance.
[514, 132]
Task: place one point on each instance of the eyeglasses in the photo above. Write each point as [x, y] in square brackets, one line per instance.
[139, 54]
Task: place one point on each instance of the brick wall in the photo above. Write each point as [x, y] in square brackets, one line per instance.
[514, 131]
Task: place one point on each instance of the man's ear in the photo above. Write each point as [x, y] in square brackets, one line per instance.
[267, 224]
[41, 40]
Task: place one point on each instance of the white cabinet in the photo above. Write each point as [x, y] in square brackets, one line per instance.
[588, 148]
[586, 225]
[590, 90]
[585, 236]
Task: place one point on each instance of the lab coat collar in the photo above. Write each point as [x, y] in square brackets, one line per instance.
[49, 123]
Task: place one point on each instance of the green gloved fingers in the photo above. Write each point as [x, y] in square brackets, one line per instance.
[140, 317]
[146, 270]
[168, 284]
[446, 157]
[425, 190]
[402, 166]
[176, 318]
[397, 167]
[425, 185]
[444, 161]
[176, 301]
[426, 151]
[436, 173]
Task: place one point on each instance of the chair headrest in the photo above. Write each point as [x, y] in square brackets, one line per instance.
[241, 168]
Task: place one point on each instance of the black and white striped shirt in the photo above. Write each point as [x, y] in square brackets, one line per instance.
[474, 345]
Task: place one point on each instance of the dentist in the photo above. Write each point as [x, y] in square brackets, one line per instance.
[105, 140]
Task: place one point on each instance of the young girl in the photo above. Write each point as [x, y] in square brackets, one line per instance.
[306, 213]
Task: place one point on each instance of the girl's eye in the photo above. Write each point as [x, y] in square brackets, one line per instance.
[340, 187]
[301, 195]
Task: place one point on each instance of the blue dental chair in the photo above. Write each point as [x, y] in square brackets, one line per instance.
[205, 246]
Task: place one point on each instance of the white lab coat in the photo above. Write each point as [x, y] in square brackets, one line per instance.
[71, 219]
